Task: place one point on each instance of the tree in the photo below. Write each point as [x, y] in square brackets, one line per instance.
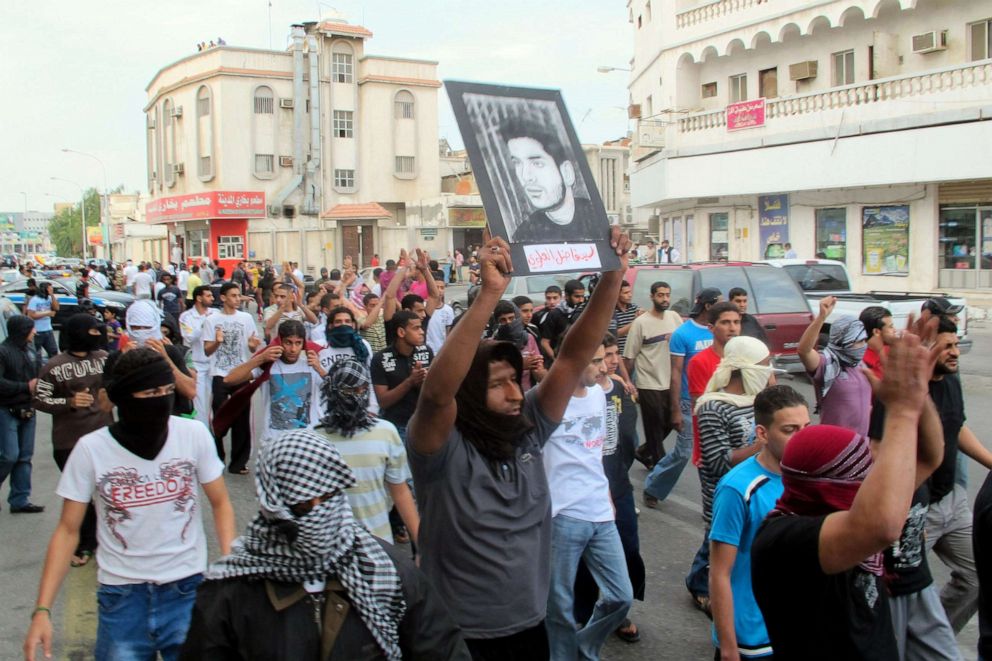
[66, 228]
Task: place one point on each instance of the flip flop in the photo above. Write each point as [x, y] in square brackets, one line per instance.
[624, 632]
[81, 559]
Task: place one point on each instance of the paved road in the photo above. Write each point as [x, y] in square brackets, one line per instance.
[671, 628]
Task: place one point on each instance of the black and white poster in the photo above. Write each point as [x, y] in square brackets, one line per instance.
[535, 182]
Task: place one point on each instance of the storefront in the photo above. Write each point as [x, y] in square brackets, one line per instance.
[211, 225]
[467, 225]
[964, 251]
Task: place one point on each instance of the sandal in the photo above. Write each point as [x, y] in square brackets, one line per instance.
[81, 559]
[627, 632]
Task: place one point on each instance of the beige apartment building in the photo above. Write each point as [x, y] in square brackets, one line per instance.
[855, 130]
[307, 154]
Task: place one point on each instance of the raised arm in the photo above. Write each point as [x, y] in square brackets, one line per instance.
[436, 408]
[585, 335]
[423, 265]
[390, 303]
[808, 354]
[879, 510]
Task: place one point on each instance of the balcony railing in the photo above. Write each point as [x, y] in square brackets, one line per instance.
[712, 10]
[875, 91]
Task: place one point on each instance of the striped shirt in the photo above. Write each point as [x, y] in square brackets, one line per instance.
[623, 318]
[377, 458]
[723, 428]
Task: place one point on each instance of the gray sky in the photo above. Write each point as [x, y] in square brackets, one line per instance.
[74, 73]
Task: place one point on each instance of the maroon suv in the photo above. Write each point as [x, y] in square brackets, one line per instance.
[773, 297]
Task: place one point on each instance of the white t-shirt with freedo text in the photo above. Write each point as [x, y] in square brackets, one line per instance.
[573, 460]
[149, 521]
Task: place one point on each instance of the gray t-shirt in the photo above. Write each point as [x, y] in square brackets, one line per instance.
[485, 541]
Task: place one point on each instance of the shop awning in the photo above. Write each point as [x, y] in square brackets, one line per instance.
[368, 211]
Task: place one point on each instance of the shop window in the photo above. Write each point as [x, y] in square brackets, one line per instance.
[230, 247]
[981, 39]
[843, 68]
[344, 124]
[719, 239]
[831, 234]
[738, 88]
[344, 178]
[958, 238]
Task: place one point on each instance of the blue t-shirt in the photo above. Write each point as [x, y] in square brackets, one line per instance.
[743, 497]
[687, 341]
[39, 304]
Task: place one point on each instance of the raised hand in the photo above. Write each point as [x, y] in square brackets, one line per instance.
[422, 261]
[253, 342]
[495, 266]
[622, 245]
[827, 304]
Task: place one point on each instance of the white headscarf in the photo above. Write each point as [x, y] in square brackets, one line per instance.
[742, 354]
[144, 313]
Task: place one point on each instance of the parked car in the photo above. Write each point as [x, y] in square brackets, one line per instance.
[773, 297]
[533, 286]
[819, 278]
[66, 296]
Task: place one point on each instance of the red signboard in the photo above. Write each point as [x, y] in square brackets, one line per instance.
[746, 115]
[212, 204]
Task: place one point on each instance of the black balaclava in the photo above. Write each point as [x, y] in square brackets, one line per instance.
[175, 335]
[495, 435]
[77, 333]
[18, 328]
[143, 423]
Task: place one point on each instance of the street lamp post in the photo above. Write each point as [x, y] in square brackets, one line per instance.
[606, 69]
[105, 205]
[82, 207]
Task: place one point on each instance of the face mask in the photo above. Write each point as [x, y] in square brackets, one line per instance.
[141, 337]
[146, 412]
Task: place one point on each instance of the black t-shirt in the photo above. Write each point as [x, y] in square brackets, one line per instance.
[169, 296]
[556, 323]
[812, 615]
[390, 368]
[946, 395]
[618, 454]
[982, 541]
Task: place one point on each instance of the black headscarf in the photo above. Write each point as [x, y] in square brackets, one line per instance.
[18, 328]
[495, 435]
[76, 332]
[175, 335]
[143, 423]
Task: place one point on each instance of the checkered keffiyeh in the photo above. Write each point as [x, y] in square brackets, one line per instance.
[295, 467]
[345, 394]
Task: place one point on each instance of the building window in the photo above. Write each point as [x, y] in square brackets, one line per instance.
[404, 164]
[719, 239]
[738, 88]
[198, 243]
[768, 83]
[640, 21]
[403, 105]
[831, 234]
[265, 164]
[203, 102]
[647, 12]
[342, 67]
[264, 101]
[708, 90]
[608, 182]
[344, 178]
[981, 39]
[843, 64]
[344, 124]
[230, 247]
[204, 134]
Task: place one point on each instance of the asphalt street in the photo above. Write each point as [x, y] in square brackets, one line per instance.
[670, 627]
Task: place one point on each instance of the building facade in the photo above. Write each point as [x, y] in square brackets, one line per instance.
[25, 232]
[130, 237]
[307, 155]
[849, 129]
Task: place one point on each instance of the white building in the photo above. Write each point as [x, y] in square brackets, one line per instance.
[610, 166]
[308, 154]
[130, 236]
[854, 129]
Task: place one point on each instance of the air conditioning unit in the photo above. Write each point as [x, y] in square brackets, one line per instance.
[286, 161]
[928, 42]
[802, 70]
[634, 111]
[177, 111]
[650, 134]
[285, 103]
[178, 168]
[613, 218]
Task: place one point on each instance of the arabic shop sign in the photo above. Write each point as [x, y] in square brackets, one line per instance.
[746, 115]
[212, 204]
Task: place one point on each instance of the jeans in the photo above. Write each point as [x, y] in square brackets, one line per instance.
[948, 532]
[662, 478]
[698, 580]
[598, 544]
[139, 619]
[45, 340]
[16, 451]
[240, 430]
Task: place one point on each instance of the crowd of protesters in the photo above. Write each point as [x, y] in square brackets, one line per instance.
[498, 444]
